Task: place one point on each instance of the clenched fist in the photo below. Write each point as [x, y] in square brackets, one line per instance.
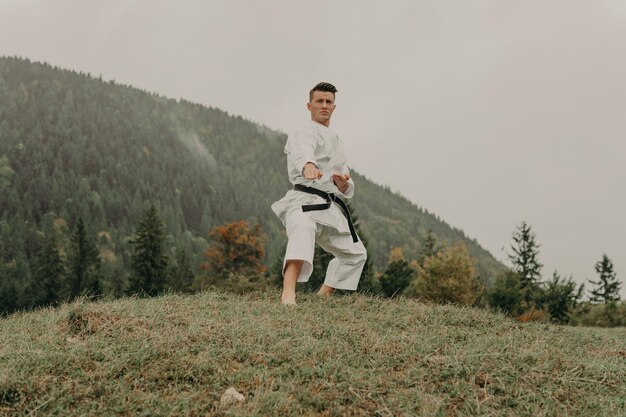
[311, 172]
[341, 181]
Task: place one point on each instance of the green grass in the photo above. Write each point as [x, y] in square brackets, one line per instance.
[348, 355]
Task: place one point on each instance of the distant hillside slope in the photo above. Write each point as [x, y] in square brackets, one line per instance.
[176, 356]
[75, 146]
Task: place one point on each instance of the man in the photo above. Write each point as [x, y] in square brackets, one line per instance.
[312, 212]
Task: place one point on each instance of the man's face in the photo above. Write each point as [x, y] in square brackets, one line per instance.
[321, 107]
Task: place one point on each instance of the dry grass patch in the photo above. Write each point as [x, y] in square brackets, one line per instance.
[348, 355]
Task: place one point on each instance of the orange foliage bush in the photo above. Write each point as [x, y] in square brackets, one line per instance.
[531, 315]
[238, 248]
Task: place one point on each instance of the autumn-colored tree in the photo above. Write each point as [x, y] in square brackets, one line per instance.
[447, 277]
[235, 256]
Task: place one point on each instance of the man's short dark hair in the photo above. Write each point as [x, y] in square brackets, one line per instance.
[328, 87]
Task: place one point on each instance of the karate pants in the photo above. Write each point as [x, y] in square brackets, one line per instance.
[344, 271]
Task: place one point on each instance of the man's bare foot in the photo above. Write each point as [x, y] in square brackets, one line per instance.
[292, 271]
[288, 300]
[326, 290]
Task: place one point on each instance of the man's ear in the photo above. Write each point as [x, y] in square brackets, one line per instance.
[308, 105]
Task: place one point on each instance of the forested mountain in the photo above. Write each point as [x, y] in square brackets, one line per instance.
[74, 146]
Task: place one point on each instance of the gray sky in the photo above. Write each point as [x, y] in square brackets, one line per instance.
[486, 112]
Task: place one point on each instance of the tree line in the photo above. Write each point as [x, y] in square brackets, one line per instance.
[70, 264]
[82, 160]
[522, 293]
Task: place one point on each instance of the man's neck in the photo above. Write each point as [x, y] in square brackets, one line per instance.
[323, 124]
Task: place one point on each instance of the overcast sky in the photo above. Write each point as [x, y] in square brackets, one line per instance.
[484, 112]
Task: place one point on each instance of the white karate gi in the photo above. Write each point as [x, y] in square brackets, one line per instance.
[314, 142]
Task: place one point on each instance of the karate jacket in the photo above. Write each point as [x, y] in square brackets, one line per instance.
[314, 142]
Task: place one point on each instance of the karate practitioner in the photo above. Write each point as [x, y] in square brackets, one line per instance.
[312, 212]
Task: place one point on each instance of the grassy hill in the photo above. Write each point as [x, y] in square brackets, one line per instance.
[348, 355]
[72, 146]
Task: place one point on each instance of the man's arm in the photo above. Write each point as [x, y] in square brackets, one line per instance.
[302, 151]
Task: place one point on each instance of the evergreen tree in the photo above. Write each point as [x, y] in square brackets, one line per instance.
[6, 173]
[506, 293]
[607, 288]
[148, 261]
[182, 276]
[429, 247]
[45, 287]
[20, 285]
[525, 262]
[398, 274]
[8, 294]
[84, 264]
[117, 282]
[561, 297]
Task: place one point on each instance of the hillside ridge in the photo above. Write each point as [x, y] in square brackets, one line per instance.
[81, 146]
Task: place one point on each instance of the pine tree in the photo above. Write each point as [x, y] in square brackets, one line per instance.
[84, 264]
[8, 294]
[117, 281]
[6, 173]
[429, 247]
[148, 261]
[45, 288]
[607, 288]
[525, 262]
[398, 274]
[506, 294]
[561, 297]
[182, 276]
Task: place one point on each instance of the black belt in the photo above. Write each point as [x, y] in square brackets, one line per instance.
[329, 197]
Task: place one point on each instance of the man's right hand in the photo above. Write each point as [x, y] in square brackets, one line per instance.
[311, 172]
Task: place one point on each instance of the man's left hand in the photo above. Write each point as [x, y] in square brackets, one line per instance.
[341, 181]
